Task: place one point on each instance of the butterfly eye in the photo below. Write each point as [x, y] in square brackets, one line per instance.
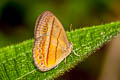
[45, 28]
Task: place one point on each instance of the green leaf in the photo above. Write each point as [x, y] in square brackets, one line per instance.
[16, 60]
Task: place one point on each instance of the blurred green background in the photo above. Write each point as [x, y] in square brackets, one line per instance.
[18, 17]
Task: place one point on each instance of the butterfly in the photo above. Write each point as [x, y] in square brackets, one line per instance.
[51, 45]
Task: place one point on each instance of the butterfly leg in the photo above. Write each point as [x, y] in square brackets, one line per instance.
[70, 56]
[65, 61]
[56, 66]
[75, 53]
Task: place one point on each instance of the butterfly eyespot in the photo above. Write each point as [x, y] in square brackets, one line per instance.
[43, 66]
[40, 56]
[45, 28]
[39, 45]
[41, 63]
[39, 50]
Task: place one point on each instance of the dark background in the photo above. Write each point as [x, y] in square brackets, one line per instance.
[18, 17]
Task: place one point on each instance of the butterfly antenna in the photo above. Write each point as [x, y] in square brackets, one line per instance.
[70, 27]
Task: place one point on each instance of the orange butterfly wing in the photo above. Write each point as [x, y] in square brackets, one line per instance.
[51, 44]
